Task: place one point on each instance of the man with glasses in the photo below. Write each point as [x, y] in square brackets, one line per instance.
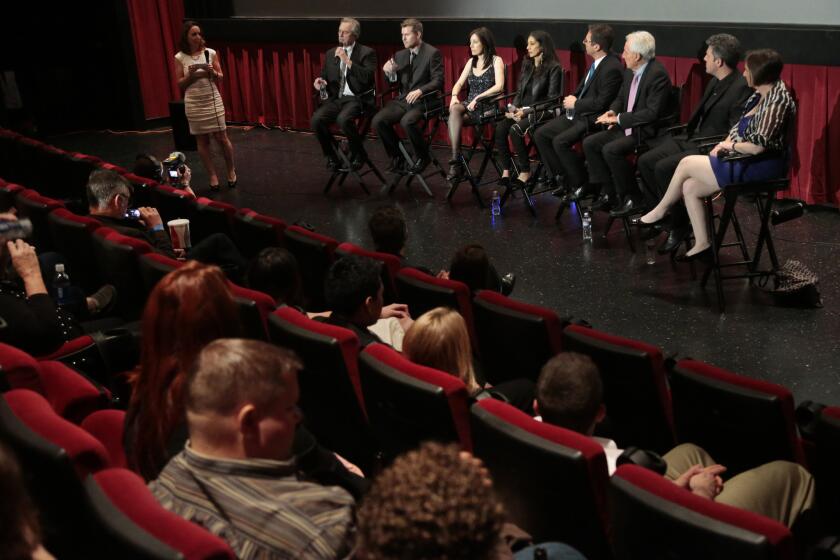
[591, 98]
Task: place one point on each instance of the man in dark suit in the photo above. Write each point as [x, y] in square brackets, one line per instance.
[719, 108]
[348, 79]
[591, 98]
[641, 101]
[419, 70]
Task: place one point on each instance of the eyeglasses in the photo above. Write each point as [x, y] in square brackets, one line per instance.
[586, 42]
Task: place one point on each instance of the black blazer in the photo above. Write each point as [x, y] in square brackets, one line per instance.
[721, 106]
[360, 76]
[427, 72]
[603, 87]
[651, 99]
[534, 88]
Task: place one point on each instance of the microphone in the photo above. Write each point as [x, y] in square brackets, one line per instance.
[206, 56]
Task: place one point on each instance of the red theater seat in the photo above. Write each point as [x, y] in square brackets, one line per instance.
[314, 253]
[423, 292]
[390, 266]
[107, 426]
[254, 309]
[253, 232]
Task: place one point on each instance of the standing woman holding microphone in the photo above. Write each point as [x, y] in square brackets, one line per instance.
[197, 71]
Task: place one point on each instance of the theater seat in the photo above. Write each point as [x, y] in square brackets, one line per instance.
[32, 205]
[54, 456]
[254, 309]
[211, 216]
[253, 232]
[107, 426]
[19, 370]
[635, 388]
[72, 395]
[515, 339]
[720, 410]
[82, 354]
[153, 267]
[408, 403]
[72, 238]
[126, 492]
[330, 392]
[117, 255]
[552, 481]
[314, 253]
[390, 266]
[173, 203]
[827, 464]
[423, 292]
[8, 191]
[651, 517]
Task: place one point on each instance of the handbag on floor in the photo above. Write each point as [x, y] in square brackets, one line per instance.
[796, 286]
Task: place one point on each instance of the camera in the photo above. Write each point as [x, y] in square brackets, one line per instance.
[132, 214]
[175, 165]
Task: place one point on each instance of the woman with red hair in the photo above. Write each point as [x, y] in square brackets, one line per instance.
[189, 308]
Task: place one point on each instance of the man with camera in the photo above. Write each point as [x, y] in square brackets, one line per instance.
[109, 197]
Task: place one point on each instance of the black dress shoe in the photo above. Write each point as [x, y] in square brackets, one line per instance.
[638, 222]
[704, 255]
[420, 165]
[585, 191]
[454, 171]
[508, 281]
[603, 202]
[629, 208]
[675, 239]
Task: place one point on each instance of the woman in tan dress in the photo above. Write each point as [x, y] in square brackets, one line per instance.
[197, 70]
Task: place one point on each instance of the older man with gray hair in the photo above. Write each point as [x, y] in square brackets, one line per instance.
[632, 116]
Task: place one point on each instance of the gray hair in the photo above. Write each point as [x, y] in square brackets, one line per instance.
[103, 185]
[725, 47]
[357, 27]
[642, 43]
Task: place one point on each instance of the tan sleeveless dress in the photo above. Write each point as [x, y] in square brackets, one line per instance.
[202, 101]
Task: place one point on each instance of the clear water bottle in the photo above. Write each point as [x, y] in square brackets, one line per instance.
[586, 222]
[61, 286]
[322, 91]
[496, 204]
[570, 113]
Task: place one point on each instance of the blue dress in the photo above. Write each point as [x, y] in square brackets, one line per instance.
[727, 172]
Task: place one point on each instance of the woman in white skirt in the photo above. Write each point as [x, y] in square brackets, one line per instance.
[197, 70]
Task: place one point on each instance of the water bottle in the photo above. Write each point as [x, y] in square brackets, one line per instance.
[586, 222]
[17, 229]
[322, 91]
[61, 286]
[650, 251]
[570, 113]
[496, 204]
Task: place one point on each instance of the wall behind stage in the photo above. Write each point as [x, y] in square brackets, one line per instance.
[809, 12]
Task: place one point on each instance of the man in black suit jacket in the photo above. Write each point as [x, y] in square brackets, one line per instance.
[348, 78]
[719, 108]
[591, 98]
[419, 70]
[606, 151]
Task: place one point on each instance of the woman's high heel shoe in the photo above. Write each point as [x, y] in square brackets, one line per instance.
[232, 184]
[215, 188]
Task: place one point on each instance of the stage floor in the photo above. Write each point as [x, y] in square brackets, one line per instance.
[282, 173]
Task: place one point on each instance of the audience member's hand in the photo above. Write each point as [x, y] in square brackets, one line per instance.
[9, 216]
[398, 310]
[469, 458]
[349, 466]
[569, 102]
[443, 274]
[150, 217]
[683, 480]
[413, 96]
[708, 482]
[24, 259]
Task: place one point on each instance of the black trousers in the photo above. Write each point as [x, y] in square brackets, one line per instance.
[606, 154]
[407, 116]
[554, 141]
[503, 132]
[657, 167]
[218, 249]
[342, 111]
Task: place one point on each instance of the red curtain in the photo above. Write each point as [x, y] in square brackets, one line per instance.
[155, 29]
[272, 84]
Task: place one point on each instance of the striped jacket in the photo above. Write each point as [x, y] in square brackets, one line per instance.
[258, 506]
[769, 123]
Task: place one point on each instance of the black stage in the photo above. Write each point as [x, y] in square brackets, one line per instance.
[283, 174]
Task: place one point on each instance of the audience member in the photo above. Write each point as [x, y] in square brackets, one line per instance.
[20, 531]
[275, 271]
[354, 292]
[439, 339]
[109, 195]
[149, 167]
[472, 266]
[569, 395]
[438, 502]
[237, 474]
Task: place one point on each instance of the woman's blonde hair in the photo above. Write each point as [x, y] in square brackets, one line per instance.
[439, 339]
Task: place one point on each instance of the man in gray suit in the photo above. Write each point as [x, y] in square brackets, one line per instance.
[419, 70]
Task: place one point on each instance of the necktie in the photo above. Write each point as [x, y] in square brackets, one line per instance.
[343, 80]
[631, 101]
[410, 66]
[586, 80]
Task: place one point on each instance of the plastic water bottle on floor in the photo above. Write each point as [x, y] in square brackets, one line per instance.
[496, 204]
[586, 222]
[61, 286]
[650, 251]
